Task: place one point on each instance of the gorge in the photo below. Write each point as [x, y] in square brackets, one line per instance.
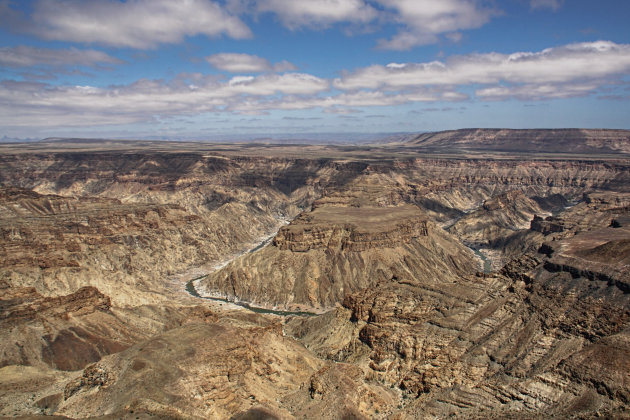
[99, 241]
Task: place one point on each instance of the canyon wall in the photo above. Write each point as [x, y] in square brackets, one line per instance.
[95, 322]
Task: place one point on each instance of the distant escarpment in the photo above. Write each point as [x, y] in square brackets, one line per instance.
[334, 250]
[566, 141]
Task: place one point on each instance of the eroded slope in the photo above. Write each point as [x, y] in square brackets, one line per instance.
[417, 332]
[334, 250]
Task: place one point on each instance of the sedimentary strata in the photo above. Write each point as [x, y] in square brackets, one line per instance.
[331, 251]
[95, 324]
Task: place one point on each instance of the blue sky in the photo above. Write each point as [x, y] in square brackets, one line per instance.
[239, 69]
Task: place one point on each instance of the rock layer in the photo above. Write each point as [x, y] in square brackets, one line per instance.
[331, 251]
[352, 229]
[413, 331]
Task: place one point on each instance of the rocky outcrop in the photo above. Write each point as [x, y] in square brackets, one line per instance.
[332, 251]
[500, 346]
[352, 229]
[546, 225]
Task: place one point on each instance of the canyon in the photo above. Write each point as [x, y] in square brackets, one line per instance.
[378, 244]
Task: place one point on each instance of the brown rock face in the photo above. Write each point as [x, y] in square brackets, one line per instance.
[25, 304]
[332, 251]
[73, 337]
[352, 229]
[547, 225]
[69, 332]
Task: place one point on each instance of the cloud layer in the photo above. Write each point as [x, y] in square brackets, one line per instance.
[135, 23]
[423, 20]
[559, 72]
[559, 67]
[246, 63]
[145, 24]
[25, 56]
[313, 13]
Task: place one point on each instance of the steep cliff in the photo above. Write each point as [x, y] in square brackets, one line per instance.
[335, 250]
[548, 334]
[95, 324]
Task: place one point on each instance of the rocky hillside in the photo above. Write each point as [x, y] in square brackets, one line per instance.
[69, 332]
[497, 218]
[548, 334]
[59, 244]
[335, 250]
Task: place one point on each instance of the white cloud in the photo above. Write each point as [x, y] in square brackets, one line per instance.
[532, 92]
[561, 72]
[330, 103]
[284, 65]
[294, 14]
[424, 20]
[149, 23]
[546, 4]
[38, 104]
[288, 83]
[419, 21]
[567, 64]
[135, 23]
[246, 63]
[25, 56]
[239, 63]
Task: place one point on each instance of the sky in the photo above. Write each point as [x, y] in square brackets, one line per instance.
[243, 69]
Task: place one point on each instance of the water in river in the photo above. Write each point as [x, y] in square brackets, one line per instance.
[487, 264]
[190, 287]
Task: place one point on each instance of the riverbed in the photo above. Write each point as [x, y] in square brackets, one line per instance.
[487, 264]
[191, 285]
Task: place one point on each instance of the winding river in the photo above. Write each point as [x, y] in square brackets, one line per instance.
[192, 290]
[487, 264]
